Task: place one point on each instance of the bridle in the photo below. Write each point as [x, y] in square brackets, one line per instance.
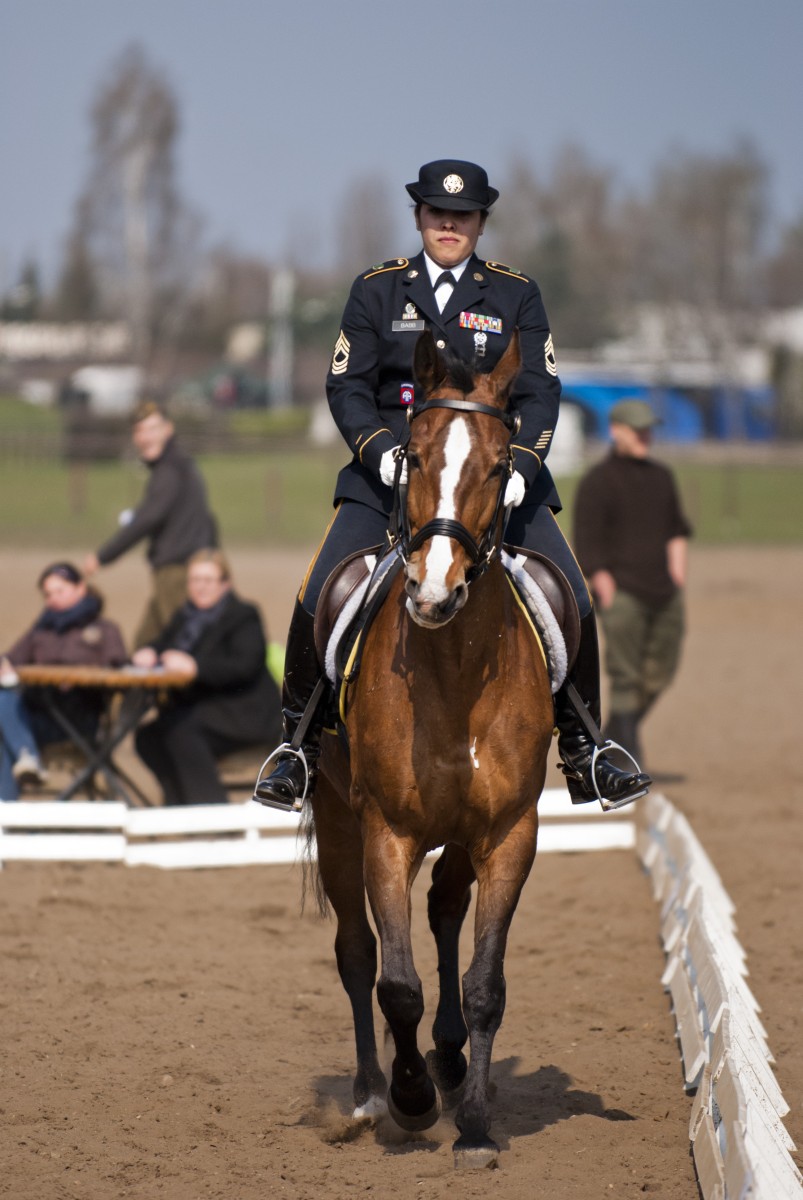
[480, 552]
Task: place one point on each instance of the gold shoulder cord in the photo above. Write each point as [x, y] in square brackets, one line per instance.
[395, 264]
[511, 272]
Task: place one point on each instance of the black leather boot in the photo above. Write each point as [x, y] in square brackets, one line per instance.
[586, 778]
[293, 775]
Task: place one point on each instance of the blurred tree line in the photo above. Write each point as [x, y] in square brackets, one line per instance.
[700, 236]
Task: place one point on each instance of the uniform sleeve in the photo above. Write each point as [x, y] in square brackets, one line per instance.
[536, 392]
[353, 380]
[592, 525]
[160, 496]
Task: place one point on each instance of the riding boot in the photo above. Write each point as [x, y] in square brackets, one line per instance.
[587, 779]
[291, 780]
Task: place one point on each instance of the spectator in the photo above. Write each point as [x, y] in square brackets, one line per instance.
[69, 631]
[631, 539]
[231, 701]
[174, 516]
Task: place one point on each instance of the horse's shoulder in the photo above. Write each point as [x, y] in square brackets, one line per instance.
[511, 272]
[393, 264]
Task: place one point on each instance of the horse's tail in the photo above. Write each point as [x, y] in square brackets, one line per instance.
[311, 882]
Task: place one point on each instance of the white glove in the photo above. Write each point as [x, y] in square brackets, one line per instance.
[387, 468]
[514, 492]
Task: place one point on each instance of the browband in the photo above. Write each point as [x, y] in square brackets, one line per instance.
[511, 420]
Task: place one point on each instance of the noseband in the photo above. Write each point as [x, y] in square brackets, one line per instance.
[481, 553]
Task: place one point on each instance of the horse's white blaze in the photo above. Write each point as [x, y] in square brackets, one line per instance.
[439, 556]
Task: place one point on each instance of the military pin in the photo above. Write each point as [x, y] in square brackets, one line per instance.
[412, 274]
[478, 277]
[410, 313]
[479, 344]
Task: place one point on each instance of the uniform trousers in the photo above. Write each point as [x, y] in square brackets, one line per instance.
[357, 527]
[642, 650]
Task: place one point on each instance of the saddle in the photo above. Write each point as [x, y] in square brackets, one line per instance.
[356, 589]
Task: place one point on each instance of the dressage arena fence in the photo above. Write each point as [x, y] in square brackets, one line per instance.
[244, 834]
[741, 1148]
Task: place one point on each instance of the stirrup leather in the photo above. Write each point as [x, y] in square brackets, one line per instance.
[286, 749]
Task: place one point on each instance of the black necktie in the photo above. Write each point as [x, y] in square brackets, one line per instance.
[445, 277]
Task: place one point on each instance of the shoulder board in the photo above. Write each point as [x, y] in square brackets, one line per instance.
[393, 264]
[513, 272]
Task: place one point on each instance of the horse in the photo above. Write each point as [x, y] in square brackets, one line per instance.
[449, 723]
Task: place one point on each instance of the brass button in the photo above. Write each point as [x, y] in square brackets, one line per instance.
[441, 344]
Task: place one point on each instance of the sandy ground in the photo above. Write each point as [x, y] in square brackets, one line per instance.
[185, 1034]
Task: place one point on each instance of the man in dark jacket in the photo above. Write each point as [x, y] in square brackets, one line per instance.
[630, 537]
[174, 516]
[218, 642]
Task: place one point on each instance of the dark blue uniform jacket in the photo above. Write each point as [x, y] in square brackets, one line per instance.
[370, 380]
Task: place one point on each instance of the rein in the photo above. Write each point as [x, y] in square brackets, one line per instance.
[481, 553]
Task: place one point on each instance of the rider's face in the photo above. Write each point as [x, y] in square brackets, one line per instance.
[449, 237]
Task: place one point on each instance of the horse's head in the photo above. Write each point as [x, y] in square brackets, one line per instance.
[459, 463]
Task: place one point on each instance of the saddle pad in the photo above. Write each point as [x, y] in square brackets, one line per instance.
[352, 606]
[538, 607]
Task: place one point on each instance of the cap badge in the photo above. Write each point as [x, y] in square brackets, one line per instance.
[453, 184]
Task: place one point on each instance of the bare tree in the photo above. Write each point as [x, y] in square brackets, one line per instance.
[365, 224]
[141, 235]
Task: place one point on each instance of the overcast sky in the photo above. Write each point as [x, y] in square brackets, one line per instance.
[284, 104]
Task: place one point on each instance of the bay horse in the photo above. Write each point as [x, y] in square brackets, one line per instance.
[449, 724]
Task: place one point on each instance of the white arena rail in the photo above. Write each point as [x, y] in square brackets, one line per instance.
[219, 835]
[741, 1148]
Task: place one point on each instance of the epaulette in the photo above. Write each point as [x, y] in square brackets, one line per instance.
[393, 264]
[513, 272]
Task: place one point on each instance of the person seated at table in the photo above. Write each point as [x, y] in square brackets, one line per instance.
[217, 641]
[69, 631]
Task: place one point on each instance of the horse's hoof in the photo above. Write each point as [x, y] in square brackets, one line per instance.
[415, 1122]
[374, 1108]
[471, 1157]
[449, 1076]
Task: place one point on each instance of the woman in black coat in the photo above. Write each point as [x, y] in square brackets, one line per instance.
[230, 701]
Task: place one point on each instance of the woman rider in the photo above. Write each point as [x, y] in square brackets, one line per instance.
[472, 308]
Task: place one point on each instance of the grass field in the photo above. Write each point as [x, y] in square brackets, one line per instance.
[284, 499]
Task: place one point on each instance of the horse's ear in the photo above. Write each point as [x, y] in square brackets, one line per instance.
[427, 366]
[508, 366]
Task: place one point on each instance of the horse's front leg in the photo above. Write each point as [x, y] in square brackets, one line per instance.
[390, 868]
[500, 878]
[341, 869]
[447, 904]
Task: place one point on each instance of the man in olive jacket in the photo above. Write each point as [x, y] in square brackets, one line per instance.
[174, 516]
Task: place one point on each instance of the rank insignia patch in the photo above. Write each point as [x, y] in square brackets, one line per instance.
[479, 321]
[340, 358]
[549, 356]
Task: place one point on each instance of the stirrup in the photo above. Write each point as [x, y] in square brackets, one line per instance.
[285, 749]
[610, 805]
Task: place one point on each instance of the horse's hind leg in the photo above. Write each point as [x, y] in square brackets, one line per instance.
[341, 870]
[447, 904]
[500, 879]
